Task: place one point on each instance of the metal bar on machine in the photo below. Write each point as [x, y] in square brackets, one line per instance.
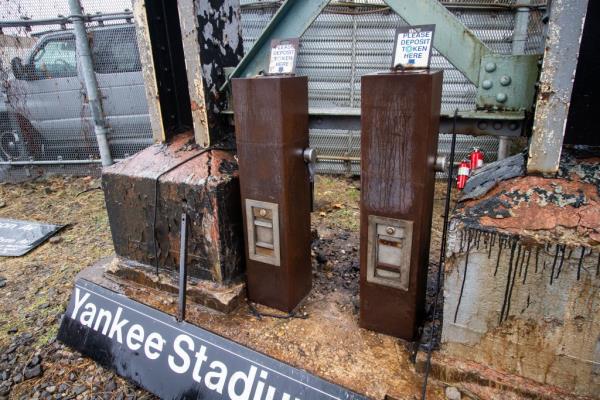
[91, 84]
[182, 269]
[474, 123]
[507, 123]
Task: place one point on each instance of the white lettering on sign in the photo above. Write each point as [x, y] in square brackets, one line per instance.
[283, 58]
[19, 237]
[182, 357]
[154, 345]
[413, 46]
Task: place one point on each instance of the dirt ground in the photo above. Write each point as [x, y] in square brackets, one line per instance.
[37, 286]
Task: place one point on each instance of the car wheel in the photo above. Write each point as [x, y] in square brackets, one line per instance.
[11, 146]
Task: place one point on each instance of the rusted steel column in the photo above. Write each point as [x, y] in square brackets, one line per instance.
[399, 126]
[212, 41]
[556, 85]
[271, 121]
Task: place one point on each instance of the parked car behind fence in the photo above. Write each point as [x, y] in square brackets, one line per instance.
[46, 116]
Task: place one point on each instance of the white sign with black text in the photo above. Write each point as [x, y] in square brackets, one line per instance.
[412, 47]
[283, 57]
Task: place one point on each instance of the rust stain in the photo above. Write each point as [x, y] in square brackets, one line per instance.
[328, 343]
[144, 216]
[562, 207]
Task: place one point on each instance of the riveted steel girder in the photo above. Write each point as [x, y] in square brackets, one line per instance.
[452, 39]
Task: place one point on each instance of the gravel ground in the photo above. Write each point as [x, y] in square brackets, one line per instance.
[34, 289]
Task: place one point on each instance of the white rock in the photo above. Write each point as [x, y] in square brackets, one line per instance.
[452, 393]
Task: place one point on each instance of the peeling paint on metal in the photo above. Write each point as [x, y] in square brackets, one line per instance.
[556, 84]
[212, 41]
[191, 50]
[147, 61]
[220, 46]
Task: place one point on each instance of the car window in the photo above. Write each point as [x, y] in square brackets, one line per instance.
[55, 59]
[115, 50]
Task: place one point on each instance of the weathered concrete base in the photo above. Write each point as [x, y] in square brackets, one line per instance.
[116, 274]
[525, 325]
[522, 280]
[478, 381]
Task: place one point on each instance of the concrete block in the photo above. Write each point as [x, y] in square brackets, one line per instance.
[147, 193]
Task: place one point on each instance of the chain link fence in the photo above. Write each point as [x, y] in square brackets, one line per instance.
[45, 122]
[45, 116]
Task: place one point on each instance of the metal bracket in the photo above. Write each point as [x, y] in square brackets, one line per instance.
[310, 158]
[507, 82]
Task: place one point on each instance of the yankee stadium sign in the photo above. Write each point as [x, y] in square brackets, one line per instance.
[177, 360]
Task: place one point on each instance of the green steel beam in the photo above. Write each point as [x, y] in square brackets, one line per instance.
[291, 20]
[504, 82]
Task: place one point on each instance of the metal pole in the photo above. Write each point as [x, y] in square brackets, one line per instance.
[91, 85]
[519, 39]
[503, 147]
[565, 30]
[182, 268]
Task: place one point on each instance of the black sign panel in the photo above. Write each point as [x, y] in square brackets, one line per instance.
[18, 238]
[178, 360]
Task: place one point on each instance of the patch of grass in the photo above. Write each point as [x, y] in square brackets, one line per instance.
[345, 218]
[39, 283]
[353, 194]
[337, 201]
[47, 336]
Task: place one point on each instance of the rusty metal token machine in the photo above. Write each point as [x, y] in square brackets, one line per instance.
[399, 128]
[271, 118]
[400, 121]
